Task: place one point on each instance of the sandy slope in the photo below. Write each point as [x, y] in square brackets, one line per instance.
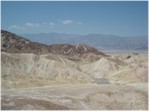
[26, 70]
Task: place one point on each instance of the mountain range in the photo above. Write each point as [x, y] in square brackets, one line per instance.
[99, 41]
[13, 43]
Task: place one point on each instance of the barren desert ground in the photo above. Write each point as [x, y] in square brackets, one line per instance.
[119, 82]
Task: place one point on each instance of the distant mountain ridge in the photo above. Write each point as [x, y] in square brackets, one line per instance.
[13, 43]
[142, 48]
[99, 41]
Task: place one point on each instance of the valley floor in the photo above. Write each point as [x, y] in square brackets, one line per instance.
[78, 97]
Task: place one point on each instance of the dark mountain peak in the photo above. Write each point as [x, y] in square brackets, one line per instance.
[13, 43]
[9, 36]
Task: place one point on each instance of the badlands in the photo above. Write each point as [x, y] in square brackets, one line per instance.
[65, 77]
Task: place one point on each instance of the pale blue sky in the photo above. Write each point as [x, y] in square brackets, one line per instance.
[118, 18]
